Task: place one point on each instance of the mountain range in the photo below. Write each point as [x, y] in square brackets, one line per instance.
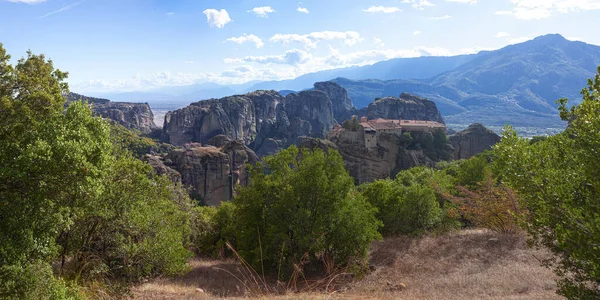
[517, 84]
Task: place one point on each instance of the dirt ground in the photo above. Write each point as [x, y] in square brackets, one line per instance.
[470, 264]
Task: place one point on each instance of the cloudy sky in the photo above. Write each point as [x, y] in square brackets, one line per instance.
[125, 45]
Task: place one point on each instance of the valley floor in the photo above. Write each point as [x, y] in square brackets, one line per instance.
[470, 264]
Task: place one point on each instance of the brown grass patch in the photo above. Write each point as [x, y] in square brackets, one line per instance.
[471, 264]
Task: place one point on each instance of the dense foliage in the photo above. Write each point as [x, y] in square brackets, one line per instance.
[70, 197]
[301, 208]
[558, 179]
[406, 205]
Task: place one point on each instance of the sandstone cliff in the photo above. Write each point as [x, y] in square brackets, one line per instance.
[263, 120]
[385, 161]
[406, 107]
[212, 173]
[472, 141]
[341, 104]
[131, 115]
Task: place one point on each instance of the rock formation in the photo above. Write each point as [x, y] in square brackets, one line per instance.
[341, 103]
[212, 173]
[406, 107]
[472, 141]
[385, 161]
[137, 116]
[131, 115]
[263, 120]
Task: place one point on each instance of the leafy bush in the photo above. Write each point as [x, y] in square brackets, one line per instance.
[299, 209]
[408, 204]
[558, 180]
[33, 280]
[492, 206]
[213, 227]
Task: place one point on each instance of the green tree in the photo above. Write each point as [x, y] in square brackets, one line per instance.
[352, 124]
[558, 180]
[68, 194]
[409, 204]
[299, 209]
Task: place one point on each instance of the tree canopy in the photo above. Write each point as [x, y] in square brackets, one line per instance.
[558, 179]
[69, 195]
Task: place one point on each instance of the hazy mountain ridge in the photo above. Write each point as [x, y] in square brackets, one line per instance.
[517, 84]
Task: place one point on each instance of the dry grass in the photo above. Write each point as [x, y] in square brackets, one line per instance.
[471, 264]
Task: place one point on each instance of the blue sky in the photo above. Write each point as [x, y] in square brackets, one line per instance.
[125, 45]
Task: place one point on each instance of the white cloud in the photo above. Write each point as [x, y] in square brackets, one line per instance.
[463, 1]
[262, 11]
[189, 62]
[541, 9]
[310, 40]
[417, 32]
[292, 64]
[140, 82]
[336, 59]
[217, 18]
[247, 38]
[502, 34]
[27, 1]
[444, 17]
[303, 10]
[418, 4]
[170, 13]
[291, 57]
[382, 9]
[378, 42]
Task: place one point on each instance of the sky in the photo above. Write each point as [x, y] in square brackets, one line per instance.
[137, 45]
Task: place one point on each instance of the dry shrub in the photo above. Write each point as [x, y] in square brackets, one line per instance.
[491, 205]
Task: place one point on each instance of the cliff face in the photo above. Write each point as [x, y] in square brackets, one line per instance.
[212, 173]
[406, 107]
[131, 115]
[341, 103]
[472, 141]
[263, 120]
[385, 161]
[199, 122]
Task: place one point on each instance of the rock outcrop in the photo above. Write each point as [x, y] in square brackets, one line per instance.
[137, 116]
[212, 173]
[385, 161]
[341, 104]
[407, 107]
[131, 115]
[473, 140]
[263, 120]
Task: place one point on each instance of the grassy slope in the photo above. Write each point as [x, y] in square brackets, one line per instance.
[463, 265]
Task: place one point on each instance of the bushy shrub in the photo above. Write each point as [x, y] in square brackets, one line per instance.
[490, 205]
[558, 181]
[300, 208]
[34, 280]
[212, 228]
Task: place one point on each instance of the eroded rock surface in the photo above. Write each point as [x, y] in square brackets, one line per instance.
[211, 173]
[473, 140]
[406, 107]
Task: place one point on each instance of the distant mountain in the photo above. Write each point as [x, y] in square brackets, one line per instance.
[517, 84]
[398, 68]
